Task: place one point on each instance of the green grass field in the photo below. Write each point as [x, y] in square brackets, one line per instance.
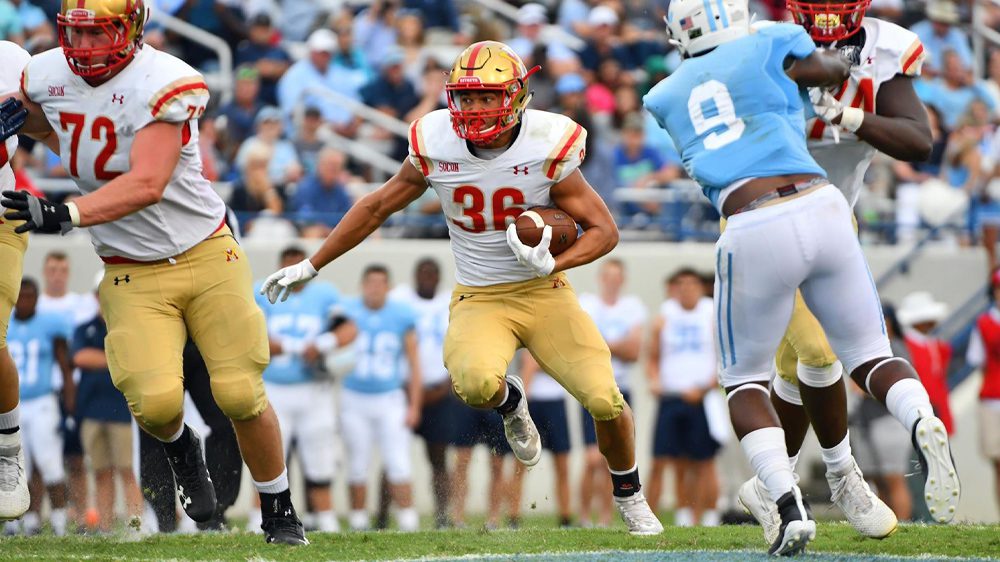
[535, 542]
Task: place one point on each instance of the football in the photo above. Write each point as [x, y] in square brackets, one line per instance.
[530, 223]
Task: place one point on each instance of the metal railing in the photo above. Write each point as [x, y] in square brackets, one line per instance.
[368, 113]
[222, 81]
[981, 34]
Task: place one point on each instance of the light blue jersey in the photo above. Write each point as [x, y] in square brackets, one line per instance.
[305, 315]
[31, 346]
[379, 348]
[733, 112]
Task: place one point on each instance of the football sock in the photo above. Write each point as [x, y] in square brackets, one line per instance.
[510, 402]
[358, 519]
[907, 401]
[326, 521]
[765, 449]
[625, 482]
[684, 517]
[838, 458]
[711, 518]
[793, 461]
[10, 421]
[407, 519]
[31, 522]
[58, 520]
[276, 505]
[276, 486]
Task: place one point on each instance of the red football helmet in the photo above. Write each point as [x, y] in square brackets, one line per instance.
[827, 22]
[82, 22]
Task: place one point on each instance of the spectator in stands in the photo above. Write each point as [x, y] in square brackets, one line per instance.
[681, 369]
[604, 42]
[984, 353]
[441, 14]
[919, 314]
[391, 93]
[284, 167]
[321, 199]
[967, 144]
[410, 37]
[34, 22]
[11, 28]
[309, 139]
[261, 51]
[254, 191]
[531, 21]
[317, 72]
[106, 424]
[598, 166]
[638, 165]
[940, 33]
[953, 91]
[213, 165]
[224, 18]
[376, 28]
[298, 18]
[992, 82]
[881, 444]
[572, 17]
[242, 110]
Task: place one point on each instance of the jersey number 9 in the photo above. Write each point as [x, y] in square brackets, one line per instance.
[725, 114]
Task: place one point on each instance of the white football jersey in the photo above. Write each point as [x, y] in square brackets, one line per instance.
[432, 324]
[615, 321]
[12, 61]
[96, 126]
[687, 346]
[481, 197]
[888, 50]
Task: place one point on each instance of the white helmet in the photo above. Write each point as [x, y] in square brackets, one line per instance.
[696, 26]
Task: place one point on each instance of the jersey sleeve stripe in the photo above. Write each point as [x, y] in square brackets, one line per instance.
[911, 56]
[4, 155]
[177, 89]
[24, 84]
[416, 140]
[555, 162]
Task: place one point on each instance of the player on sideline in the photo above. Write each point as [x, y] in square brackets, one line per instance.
[501, 159]
[124, 118]
[875, 109]
[742, 138]
[14, 497]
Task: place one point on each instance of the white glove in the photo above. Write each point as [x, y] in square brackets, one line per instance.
[538, 259]
[827, 108]
[281, 282]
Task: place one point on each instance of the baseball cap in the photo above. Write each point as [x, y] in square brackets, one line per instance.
[247, 72]
[570, 84]
[392, 57]
[267, 113]
[602, 15]
[261, 19]
[532, 14]
[942, 11]
[322, 40]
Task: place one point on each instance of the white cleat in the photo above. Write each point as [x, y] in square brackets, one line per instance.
[522, 435]
[869, 515]
[754, 499]
[797, 525]
[942, 489]
[14, 498]
[637, 515]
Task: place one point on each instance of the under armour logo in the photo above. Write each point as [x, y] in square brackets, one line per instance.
[124, 279]
[520, 170]
[231, 255]
[49, 208]
[185, 500]
[118, 98]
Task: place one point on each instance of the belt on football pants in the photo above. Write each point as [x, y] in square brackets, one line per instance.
[780, 193]
[122, 260]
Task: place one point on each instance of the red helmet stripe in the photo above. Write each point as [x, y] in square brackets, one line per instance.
[550, 173]
[472, 59]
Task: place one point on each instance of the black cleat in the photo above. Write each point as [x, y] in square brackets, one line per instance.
[194, 485]
[942, 489]
[284, 530]
[797, 525]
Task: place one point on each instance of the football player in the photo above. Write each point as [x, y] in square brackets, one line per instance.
[124, 119]
[876, 108]
[742, 139]
[489, 158]
[13, 482]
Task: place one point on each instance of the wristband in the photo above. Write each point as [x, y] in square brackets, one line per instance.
[74, 213]
[851, 118]
[327, 342]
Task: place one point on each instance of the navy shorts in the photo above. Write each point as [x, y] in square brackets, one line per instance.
[72, 446]
[589, 433]
[682, 431]
[550, 419]
[436, 420]
[476, 426]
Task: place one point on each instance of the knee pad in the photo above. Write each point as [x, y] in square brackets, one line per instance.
[239, 394]
[605, 406]
[156, 401]
[820, 377]
[476, 386]
[786, 391]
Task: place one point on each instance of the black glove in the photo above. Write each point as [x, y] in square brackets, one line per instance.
[852, 53]
[12, 117]
[40, 215]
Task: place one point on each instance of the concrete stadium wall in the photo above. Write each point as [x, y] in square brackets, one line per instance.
[950, 273]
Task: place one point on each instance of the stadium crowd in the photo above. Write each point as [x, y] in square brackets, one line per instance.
[392, 388]
[294, 155]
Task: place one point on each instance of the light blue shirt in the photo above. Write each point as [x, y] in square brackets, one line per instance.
[303, 75]
[380, 347]
[30, 343]
[734, 114]
[954, 40]
[952, 104]
[304, 316]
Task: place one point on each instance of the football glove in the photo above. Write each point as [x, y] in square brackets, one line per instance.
[40, 215]
[281, 282]
[538, 258]
[12, 117]
[852, 53]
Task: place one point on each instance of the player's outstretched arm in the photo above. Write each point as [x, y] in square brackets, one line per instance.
[358, 223]
[600, 233]
[824, 68]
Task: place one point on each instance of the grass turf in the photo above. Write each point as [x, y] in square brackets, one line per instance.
[928, 542]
